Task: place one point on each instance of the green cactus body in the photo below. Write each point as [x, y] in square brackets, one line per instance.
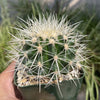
[48, 48]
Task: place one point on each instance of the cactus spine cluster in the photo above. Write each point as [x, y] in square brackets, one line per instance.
[48, 48]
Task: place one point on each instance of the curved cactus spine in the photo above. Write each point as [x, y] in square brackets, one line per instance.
[48, 49]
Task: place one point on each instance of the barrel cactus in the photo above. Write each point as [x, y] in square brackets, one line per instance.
[47, 51]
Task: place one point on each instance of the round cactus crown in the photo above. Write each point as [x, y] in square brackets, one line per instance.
[48, 47]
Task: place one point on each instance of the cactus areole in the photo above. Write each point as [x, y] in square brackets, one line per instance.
[49, 55]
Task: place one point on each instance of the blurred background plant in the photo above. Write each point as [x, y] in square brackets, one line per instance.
[4, 36]
[89, 25]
